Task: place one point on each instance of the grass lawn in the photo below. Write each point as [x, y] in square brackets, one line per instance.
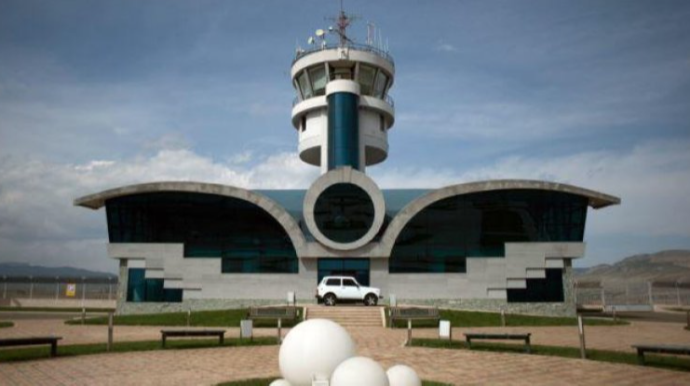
[221, 318]
[4, 324]
[50, 309]
[491, 319]
[29, 353]
[267, 381]
[667, 362]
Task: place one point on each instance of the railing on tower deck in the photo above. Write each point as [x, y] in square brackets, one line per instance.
[387, 98]
[352, 46]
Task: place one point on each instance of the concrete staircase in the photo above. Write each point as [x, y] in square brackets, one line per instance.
[348, 316]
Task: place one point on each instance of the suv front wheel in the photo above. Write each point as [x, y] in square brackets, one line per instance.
[370, 300]
[329, 300]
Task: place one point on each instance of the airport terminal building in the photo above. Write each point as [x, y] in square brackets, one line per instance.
[487, 245]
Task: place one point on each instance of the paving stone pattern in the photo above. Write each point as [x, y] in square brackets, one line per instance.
[459, 367]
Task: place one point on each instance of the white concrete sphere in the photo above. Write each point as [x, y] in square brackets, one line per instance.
[401, 375]
[359, 371]
[314, 347]
[280, 382]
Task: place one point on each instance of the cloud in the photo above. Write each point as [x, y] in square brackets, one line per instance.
[442, 46]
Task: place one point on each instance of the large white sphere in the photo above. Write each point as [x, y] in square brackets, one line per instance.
[359, 371]
[280, 382]
[314, 348]
[401, 375]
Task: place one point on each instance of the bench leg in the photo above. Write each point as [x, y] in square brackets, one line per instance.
[469, 343]
[53, 349]
[221, 339]
[640, 357]
[528, 347]
[163, 341]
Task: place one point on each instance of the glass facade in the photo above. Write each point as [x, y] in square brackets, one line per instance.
[441, 237]
[247, 238]
[140, 289]
[344, 212]
[549, 289]
[343, 130]
[357, 268]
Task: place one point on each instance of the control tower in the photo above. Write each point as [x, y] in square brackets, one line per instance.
[342, 111]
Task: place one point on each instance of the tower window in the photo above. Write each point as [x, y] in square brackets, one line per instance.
[318, 79]
[304, 85]
[380, 85]
[366, 78]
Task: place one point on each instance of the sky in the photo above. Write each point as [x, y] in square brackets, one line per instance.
[100, 94]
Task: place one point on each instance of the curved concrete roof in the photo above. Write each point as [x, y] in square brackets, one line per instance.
[97, 201]
[596, 200]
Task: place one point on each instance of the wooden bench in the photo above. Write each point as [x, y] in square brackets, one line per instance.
[187, 333]
[660, 349]
[32, 341]
[414, 313]
[469, 337]
[273, 313]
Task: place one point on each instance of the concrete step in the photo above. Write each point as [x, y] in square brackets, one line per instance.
[348, 316]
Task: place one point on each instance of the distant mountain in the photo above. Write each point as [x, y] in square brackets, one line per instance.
[665, 266]
[23, 270]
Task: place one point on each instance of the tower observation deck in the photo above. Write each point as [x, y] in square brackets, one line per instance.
[342, 111]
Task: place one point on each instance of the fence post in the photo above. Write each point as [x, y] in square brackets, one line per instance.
[651, 295]
[57, 288]
[581, 330]
[31, 287]
[110, 289]
[503, 317]
[409, 333]
[110, 330]
[603, 296]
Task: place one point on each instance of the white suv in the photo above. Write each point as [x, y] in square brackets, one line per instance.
[335, 288]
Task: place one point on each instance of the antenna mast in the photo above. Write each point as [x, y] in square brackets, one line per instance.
[343, 21]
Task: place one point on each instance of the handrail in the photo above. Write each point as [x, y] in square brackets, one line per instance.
[354, 46]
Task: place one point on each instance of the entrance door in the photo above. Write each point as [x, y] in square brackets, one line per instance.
[357, 268]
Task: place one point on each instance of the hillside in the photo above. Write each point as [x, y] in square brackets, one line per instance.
[665, 266]
[24, 270]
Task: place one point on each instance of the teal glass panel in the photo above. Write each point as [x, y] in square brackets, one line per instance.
[549, 289]
[343, 130]
[357, 268]
[208, 226]
[140, 289]
[441, 237]
[344, 212]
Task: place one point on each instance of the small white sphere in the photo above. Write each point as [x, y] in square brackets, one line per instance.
[280, 382]
[359, 371]
[314, 348]
[401, 375]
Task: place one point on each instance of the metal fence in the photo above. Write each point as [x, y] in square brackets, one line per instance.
[596, 293]
[58, 288]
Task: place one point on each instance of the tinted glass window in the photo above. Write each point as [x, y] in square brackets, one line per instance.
[344, 212]
[304, 85]
[441, 237]
[349, 283]
[549, 289]
[366, 79]
[247, 238]
[353, 267]
[318, 79]
[380, 85]
[140, 289]
[333, 282]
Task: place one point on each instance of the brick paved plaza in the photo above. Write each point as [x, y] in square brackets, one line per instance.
[460, 367]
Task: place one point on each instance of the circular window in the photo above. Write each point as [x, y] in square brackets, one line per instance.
[344, 212]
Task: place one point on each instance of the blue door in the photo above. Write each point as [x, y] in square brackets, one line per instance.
[357, 268]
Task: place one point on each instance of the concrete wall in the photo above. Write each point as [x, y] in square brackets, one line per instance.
[483, 287]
